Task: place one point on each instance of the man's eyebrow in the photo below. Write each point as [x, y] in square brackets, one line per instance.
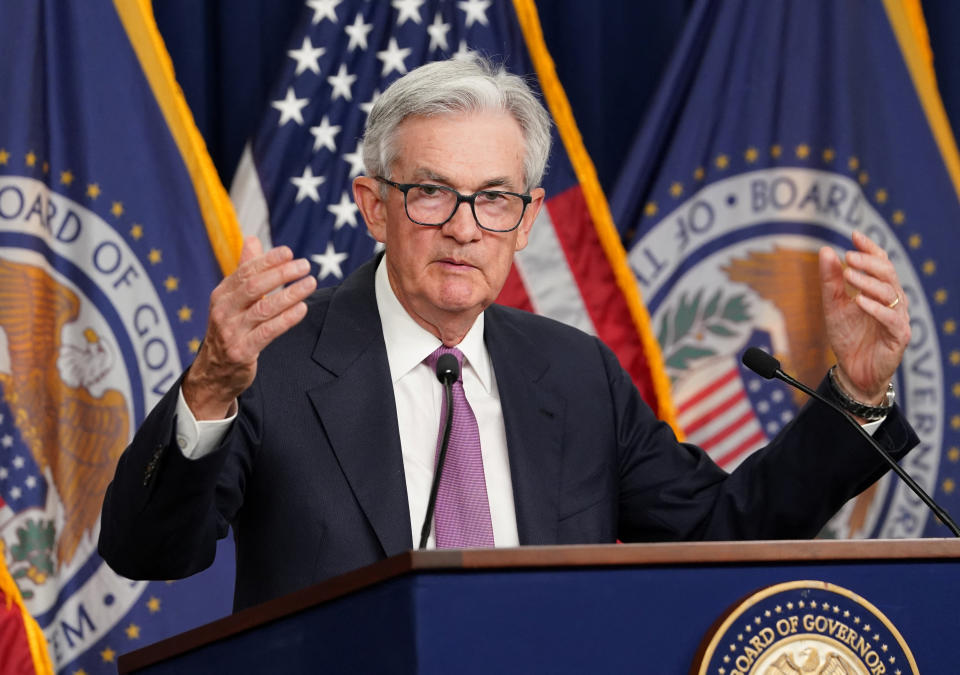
[424, 174]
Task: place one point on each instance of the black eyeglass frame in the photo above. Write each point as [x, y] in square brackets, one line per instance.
[470, 199]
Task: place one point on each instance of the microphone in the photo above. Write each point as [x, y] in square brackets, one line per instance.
[448, 371]
[768, 368]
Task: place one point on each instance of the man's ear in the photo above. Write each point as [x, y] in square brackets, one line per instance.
[530, 215]
[366, 194]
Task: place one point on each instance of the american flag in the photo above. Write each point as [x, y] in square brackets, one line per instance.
[293, 185]
[730, 411]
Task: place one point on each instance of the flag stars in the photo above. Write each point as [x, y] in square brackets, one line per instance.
[392, 58]
[953, 454]
[291, 107]
[66, 177]
[80, 672]
[343, 81]
[155, 256]
[950, 326]
[117, 209]
[650, 209]
[955, 358]
[853, 163]
[323, 9]
[184, 314]
[31, 482]
[438, 33]
[898, 217]
[956, 389]
[802, 151]
[368, 106]
[829, 154]
[153, 604]
[929, 267]
[751, 155]
[955, 422]
[676, 190]
[306, 57]
[4, 156]
[31, 158]
[722, 162]
[776, 150]
[136, 231]
[329, 262]
[324, 135]
[171, 283]
[132, 631]
[463, 52]
[307, 185]
[355, 159]
[194, 345]
[915, 241]
[46, 167]
[409, 10]
[358, 32]
[18, 461]
[475, 10]
[15, 493]
[863, 177]
[93, 190]
[881, 196]
[940, 296]
[345, 211]
[108, 655]
[699, 173]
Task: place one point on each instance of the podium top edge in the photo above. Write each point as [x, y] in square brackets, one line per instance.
[547, 557]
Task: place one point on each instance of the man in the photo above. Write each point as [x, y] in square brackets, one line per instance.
[308, 421]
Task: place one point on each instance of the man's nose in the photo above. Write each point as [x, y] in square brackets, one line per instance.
[462, 226]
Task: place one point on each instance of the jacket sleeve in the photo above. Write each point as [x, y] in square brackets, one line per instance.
[163, 513]
[787, 490]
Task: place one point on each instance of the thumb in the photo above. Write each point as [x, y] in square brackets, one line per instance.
[831, 273]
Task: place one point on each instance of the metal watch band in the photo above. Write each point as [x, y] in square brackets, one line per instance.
[856, 408]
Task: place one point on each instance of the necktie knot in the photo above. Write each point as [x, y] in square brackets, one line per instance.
[440, 351]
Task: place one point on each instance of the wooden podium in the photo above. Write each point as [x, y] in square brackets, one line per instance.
[640, 608]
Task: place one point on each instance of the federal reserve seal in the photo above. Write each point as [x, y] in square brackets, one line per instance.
[735, 264]
[802, 627]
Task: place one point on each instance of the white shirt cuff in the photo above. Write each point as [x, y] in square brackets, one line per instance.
[198, 439]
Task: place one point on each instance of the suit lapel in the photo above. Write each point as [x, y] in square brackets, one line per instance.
[533, 417]
[357, 409]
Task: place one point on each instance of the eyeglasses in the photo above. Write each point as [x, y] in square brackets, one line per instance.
[434, 205]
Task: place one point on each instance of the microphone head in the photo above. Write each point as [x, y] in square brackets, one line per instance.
[760, 362]
[448, 368]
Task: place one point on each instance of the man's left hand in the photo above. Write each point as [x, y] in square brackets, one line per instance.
[869, 328]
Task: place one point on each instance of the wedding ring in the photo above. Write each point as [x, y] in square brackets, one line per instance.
[896, 301]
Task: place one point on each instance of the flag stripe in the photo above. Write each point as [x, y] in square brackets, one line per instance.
[707, 391]
[597, 205]
[722, 407]
[551, 284]
[217, 211]
[754, 441]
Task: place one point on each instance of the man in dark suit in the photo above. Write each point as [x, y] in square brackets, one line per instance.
[308, 421]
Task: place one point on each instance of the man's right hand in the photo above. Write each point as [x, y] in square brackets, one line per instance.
[245, 316]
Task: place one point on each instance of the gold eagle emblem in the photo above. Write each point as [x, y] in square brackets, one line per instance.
[71, 432]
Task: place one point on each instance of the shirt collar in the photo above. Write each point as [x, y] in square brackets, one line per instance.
[408, 344]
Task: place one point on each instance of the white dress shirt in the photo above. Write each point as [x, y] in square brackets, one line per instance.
[418, 396]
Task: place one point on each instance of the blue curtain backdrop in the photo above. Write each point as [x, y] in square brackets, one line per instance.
[609, 56]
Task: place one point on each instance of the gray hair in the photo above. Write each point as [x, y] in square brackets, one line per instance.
[457, 86]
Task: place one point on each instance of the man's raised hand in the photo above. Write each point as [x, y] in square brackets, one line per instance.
[248, 310]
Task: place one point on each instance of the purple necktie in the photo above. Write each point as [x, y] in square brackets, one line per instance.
[462, 516]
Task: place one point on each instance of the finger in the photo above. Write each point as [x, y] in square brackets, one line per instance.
[266, 332]
[248, 290]
[258, 263]
[269, 306]
[873, 265]
[889, 295]
[896, 321]
[251, 249]
[866, 244]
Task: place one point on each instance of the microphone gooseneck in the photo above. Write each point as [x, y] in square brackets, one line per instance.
[768, 368]
[448, 371]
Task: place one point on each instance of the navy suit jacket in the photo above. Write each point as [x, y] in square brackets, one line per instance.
[310, 475]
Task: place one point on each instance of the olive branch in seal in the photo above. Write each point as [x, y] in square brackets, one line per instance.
[684, 328]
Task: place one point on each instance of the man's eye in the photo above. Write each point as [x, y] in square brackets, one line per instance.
[429, 190]
[491, 196]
